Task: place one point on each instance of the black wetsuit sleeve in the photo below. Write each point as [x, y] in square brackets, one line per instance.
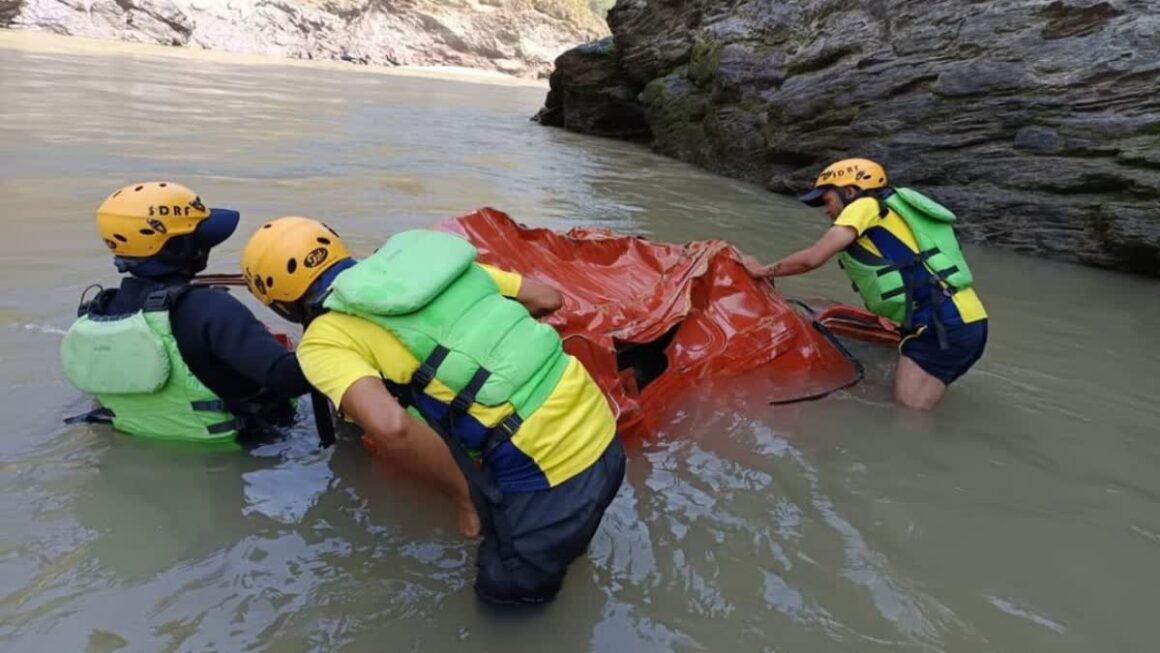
[230, 332]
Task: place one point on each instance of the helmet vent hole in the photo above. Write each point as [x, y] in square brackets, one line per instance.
[291, 266]
[121, 238]
[324, 241]
[116, 193]
[330, 230]
[267, 225]
[137, 189]
[163, 184]
[147, 232]
[269, 282]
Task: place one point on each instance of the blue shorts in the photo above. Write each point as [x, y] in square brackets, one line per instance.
[966, 343]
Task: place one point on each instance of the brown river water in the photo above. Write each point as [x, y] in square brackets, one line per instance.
[1024, 515]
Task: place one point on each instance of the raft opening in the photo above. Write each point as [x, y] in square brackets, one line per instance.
[647, 360]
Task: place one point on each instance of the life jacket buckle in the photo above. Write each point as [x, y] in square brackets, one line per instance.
[423, 376]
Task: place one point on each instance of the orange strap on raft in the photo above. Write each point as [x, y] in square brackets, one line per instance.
[859, 324]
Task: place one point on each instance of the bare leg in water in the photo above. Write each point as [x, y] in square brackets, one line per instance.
[914, 388]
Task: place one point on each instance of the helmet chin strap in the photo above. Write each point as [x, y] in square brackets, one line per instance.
[179, 257]
[309, 306]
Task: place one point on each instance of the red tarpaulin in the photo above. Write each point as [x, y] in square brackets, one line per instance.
[651, 321]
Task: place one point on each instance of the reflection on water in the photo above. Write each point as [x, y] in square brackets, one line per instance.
[1022, 516]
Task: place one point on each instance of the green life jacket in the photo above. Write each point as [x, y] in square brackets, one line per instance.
[424, 287]
[132, 365]
[887, 283]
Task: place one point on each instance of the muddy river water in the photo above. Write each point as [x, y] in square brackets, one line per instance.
[1024, 515]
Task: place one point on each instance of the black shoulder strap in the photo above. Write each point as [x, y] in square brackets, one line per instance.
[879, 196]
[163, 299]
[323, 419]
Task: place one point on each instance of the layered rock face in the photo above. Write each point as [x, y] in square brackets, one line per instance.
[519, 37]
[1038, 121]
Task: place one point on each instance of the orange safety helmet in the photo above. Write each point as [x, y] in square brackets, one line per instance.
[138, 220]
[862, 174]
[285, 256]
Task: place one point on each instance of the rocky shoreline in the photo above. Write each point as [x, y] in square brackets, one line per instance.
[516, 37]
[1037, 120]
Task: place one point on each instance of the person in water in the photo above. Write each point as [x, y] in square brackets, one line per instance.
[899, 249]
[168, 359]
[506, 424]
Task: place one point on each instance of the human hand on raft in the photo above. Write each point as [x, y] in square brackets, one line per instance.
[757, 270]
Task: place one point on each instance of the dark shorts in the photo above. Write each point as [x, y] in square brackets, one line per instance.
[549, 530]
[966, 343]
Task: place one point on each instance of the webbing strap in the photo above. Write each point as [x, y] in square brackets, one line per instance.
[460, 404]
[223, 427]
[97, 416]
[502, 432]
[466, 397]
[864, 256]
[426, 372]
[210, 405]
[164, 299]
[399, 391]
[938, 297]
[480, 479]
[323, 420]
[945, 274]
[474, 474]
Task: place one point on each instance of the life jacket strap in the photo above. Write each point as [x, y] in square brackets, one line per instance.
[96, 416]
[426, 372]
[504, 431]
[236, 424]
[479, 478]
[323, 419]
[466, 397]
[219, 406]
[164, 298]
[210, 405]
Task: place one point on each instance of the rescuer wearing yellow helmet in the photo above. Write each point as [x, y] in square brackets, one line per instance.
[520, 435]
[899, 249]
[167, 359]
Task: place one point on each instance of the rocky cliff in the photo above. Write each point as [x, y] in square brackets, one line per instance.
[1037, 120]
[519, 37]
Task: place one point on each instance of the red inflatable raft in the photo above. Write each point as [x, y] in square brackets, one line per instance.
[652, 321]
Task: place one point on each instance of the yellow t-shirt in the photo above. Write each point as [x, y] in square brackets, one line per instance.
[564, 436]
[862, 215]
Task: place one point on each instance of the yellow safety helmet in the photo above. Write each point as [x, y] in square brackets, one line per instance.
[285, 256]
[136, 221]
[862, 174]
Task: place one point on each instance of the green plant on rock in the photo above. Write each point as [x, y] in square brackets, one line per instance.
[704, 61]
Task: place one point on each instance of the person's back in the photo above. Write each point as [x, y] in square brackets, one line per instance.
[900, 251]
[421, 325]
[167, 359]
[883, 233]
